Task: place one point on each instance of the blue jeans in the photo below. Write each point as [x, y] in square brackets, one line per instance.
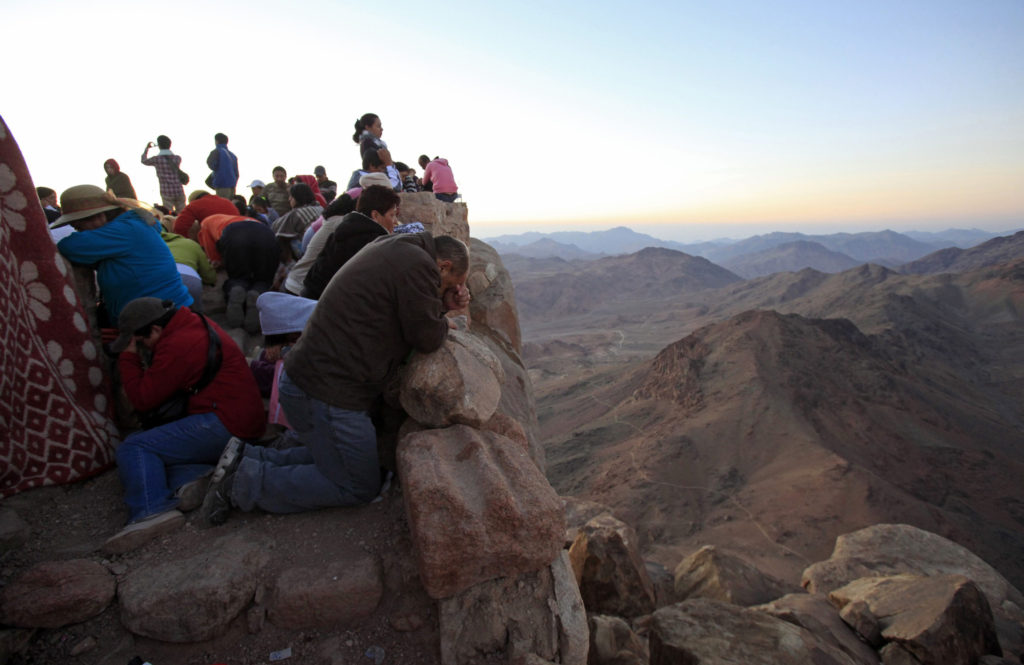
[336, 465]
[155, 462]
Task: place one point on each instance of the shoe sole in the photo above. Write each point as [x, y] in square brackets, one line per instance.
[232, 451]
[126, 541]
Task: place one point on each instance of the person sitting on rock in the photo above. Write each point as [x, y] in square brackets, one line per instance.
[437, 176]
[290, 226]
[314, 244]
[389, 300]
[162, 469]
[375, 215]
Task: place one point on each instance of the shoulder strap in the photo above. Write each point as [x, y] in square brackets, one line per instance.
[213, 358]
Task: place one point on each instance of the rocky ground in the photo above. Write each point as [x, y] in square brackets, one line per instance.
[72, 522]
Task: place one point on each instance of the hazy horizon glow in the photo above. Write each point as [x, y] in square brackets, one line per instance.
[689, 116]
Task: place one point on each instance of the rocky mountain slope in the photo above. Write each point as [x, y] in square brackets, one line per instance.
[651, 273]
[772, 431]
[954, 259]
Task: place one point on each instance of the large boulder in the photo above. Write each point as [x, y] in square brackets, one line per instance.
[342, 592]
[438, 217]
[611, 574]
[711, 573]
[196, 598]
[478, 508]
[493, 305]
[710, 632]
[538, 614]
[891, 549]
[57, 593]
[815, 613]
[458, 383]
[938, 620]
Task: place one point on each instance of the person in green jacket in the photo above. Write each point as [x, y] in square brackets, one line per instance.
[193, 266]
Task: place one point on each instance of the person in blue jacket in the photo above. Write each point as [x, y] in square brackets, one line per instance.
[123, 246]
[224, 167]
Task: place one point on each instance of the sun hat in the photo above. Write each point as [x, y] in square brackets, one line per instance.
[136, 314]
[256, 183]
[282, 313]
[81, 202]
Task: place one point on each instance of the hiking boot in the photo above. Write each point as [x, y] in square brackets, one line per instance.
[139, 533]
[236, 307]
[217, 504]
[252, 313]
[190, 495]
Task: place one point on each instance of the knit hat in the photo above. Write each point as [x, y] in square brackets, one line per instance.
[282, 313]
[136, 314]
[81, 202]
[374, 179]
[319, 171]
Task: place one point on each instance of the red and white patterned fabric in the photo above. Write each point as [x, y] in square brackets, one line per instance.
[55, 424]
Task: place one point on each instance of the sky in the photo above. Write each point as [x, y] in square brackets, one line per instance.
[685, 120]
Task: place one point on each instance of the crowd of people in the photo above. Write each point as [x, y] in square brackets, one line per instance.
[341, 292]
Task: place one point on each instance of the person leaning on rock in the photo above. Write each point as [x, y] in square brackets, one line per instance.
[388, 300]
[124, 246]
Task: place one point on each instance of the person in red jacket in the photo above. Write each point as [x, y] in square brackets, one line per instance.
[201, 205]
[162, 469]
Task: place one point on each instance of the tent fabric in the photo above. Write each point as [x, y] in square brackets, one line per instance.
[55, 407]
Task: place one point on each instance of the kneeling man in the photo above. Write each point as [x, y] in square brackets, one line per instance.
[388, 300]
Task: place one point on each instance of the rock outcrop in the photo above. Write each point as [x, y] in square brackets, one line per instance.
[710, 632]
[611, 574]
[892, 549]
[57, 593]
[438, 217]
[938, 620]
[478, 508]
[460, 383]
[215, 586]
[310, 598]
[712, 573]
[537, 614]
[613, 642]
[814, 612]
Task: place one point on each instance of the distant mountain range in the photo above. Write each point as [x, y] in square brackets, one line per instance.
[751, 257]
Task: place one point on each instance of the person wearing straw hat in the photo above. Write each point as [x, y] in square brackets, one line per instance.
[122, 242]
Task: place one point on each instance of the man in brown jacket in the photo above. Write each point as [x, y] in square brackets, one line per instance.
[388, 300]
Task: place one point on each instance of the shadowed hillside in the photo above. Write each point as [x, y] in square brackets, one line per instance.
[648, 274]
[869, 396]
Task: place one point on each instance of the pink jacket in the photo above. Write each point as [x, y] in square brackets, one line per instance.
[440, 174]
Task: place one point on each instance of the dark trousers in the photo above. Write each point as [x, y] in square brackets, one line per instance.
[250, 255]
